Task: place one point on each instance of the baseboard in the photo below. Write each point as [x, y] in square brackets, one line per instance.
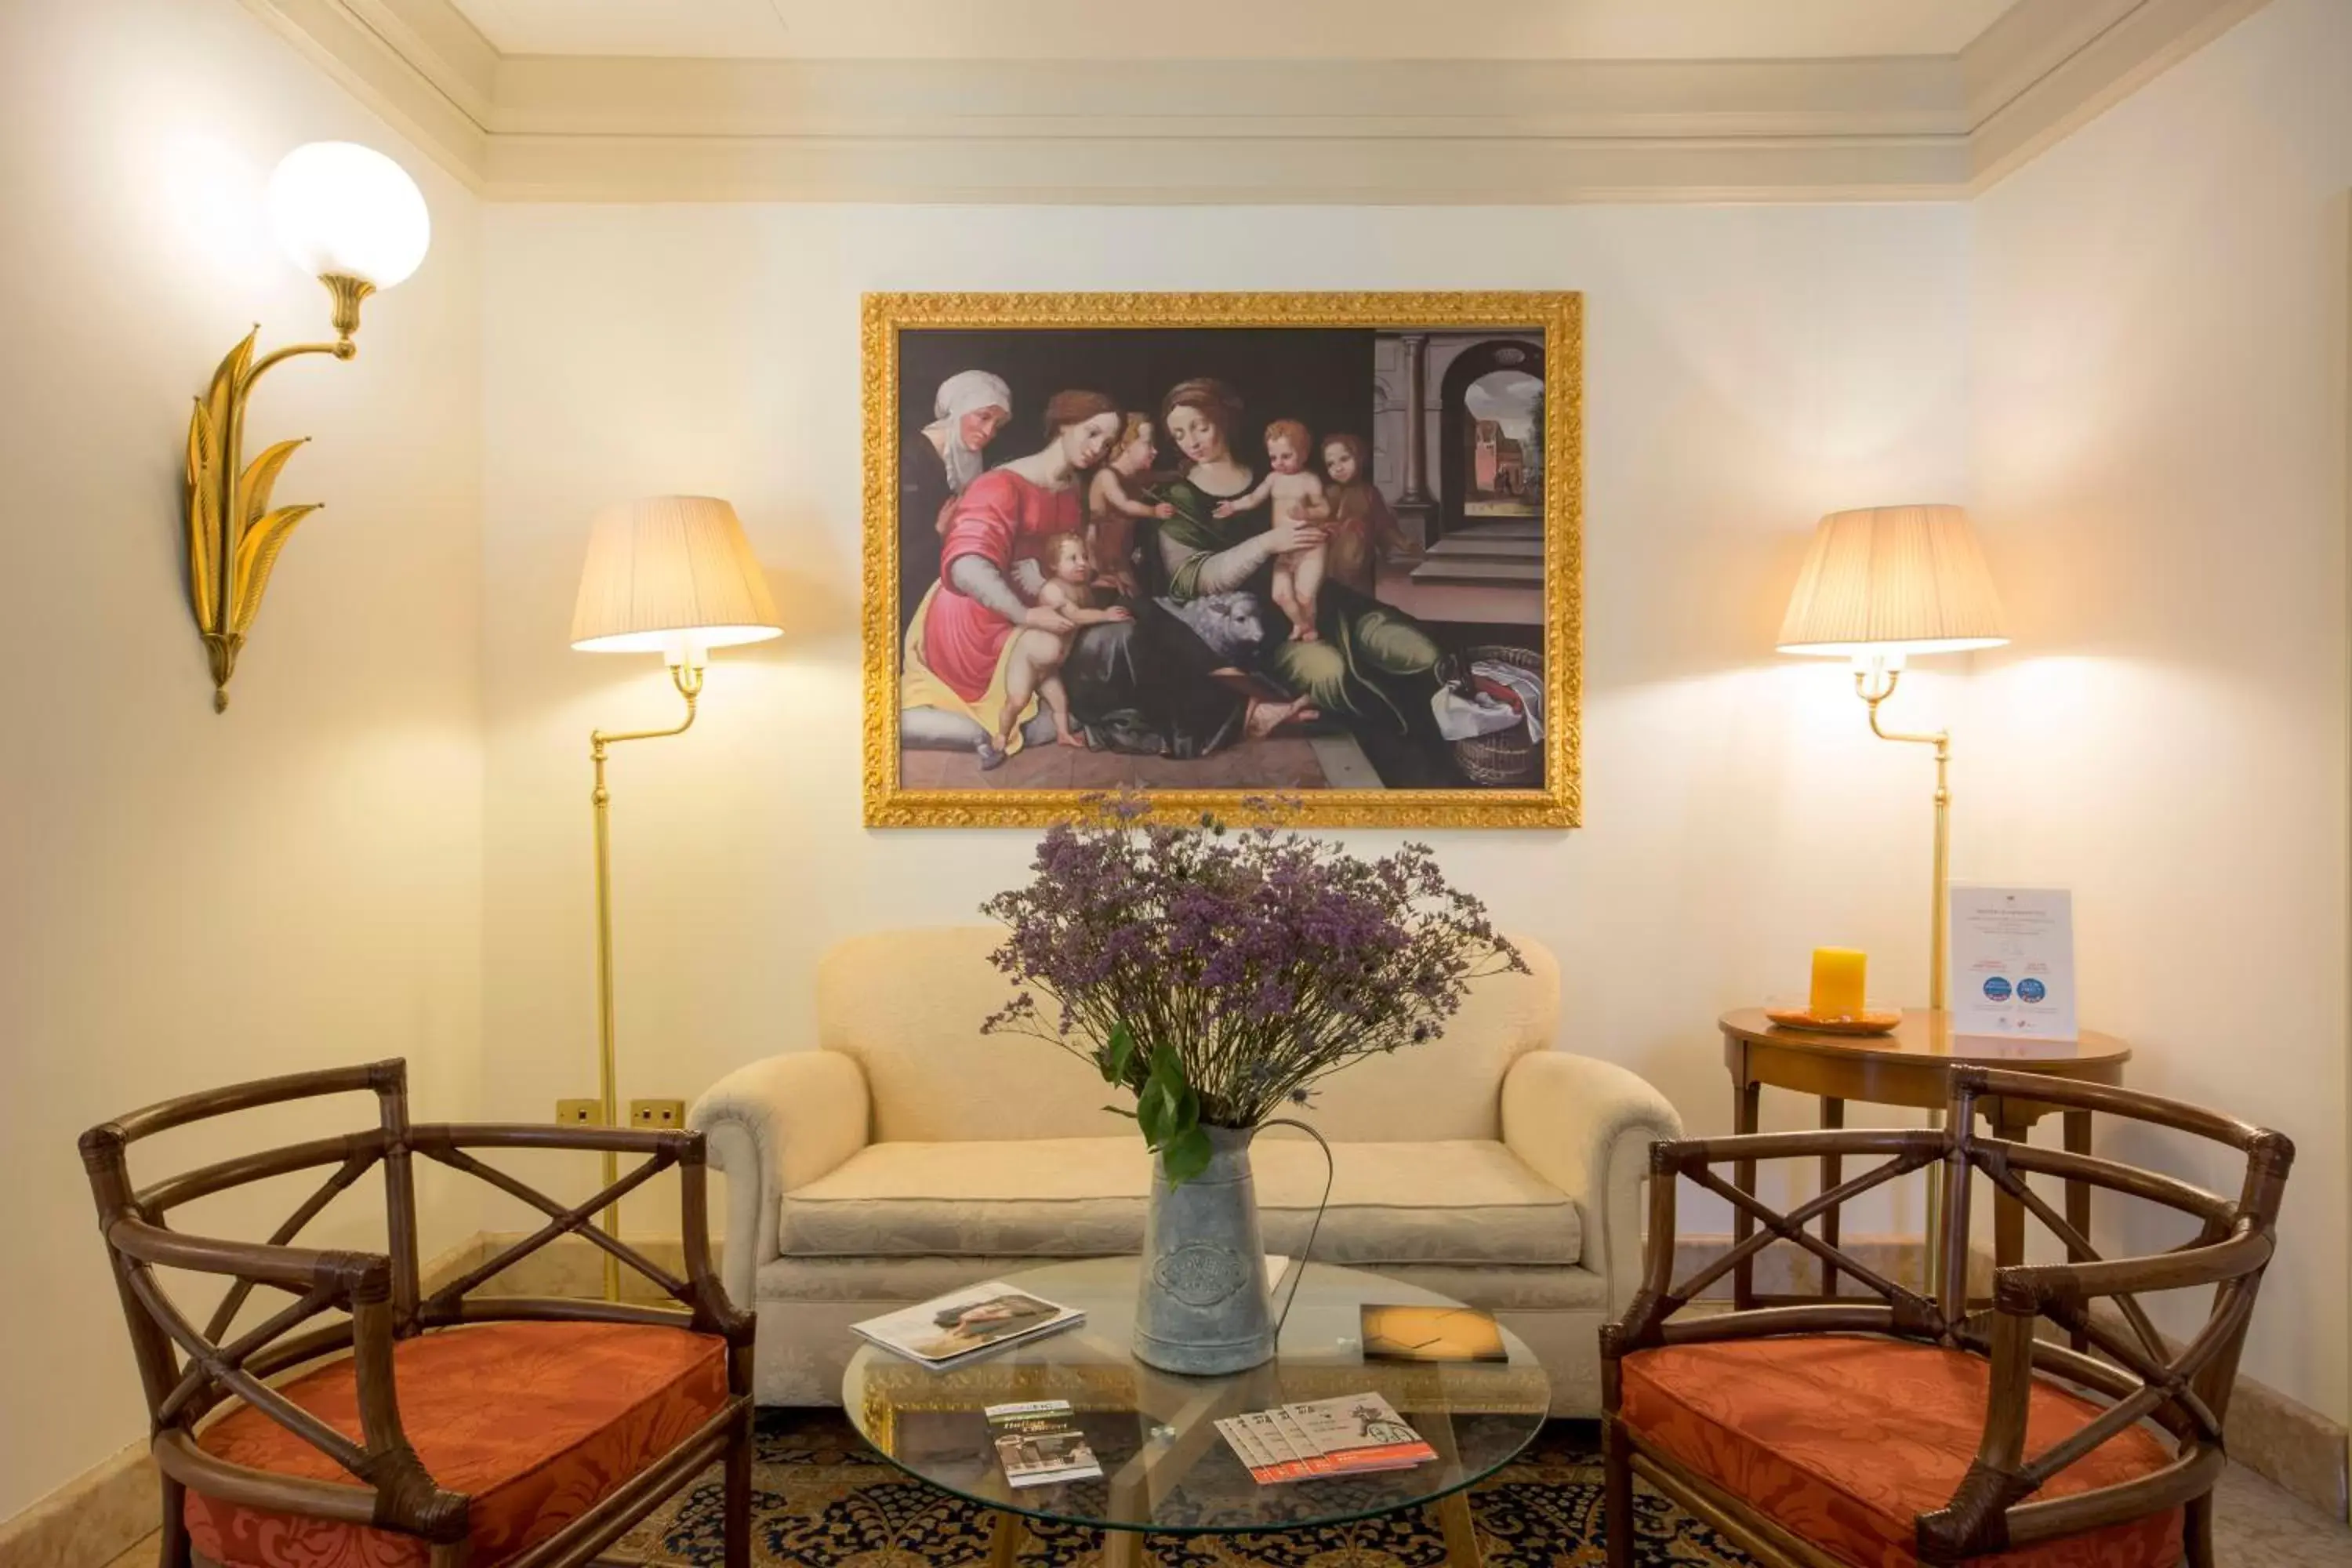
[111, 1507]
[92, 1520]
[2287, 1443]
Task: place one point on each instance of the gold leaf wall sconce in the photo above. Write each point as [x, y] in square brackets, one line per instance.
[354, 219]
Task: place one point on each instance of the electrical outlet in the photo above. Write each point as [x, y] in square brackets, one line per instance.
[579, 1114]
[658, 1115]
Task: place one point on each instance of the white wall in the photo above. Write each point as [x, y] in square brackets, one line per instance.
[191, 899]
[1747, 369]
[2158, 353]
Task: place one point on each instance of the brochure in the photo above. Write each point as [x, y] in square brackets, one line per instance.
[1431, 1333]
[952, 1328]
[2012, 962]
[1360, 1432]
[1351, 1436]
[1039, 1443]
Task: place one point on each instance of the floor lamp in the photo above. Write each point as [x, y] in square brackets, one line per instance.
[672, 575]
[1880, 585]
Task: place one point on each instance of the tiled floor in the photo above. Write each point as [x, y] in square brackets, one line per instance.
[2258, 1526]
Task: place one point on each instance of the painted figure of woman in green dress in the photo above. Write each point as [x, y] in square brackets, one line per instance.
[1370, 665]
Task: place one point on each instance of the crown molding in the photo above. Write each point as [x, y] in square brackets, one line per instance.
[443, 46]
[419, 94]
[594, 128]
[2048, 68]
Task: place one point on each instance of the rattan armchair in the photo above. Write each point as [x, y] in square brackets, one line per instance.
[559, 1423]
[1883, 1426]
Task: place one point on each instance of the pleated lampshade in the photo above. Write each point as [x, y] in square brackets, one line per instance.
[1894, 580]
[664, 572]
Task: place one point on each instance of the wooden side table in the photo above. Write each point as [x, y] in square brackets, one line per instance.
[1904, 1067]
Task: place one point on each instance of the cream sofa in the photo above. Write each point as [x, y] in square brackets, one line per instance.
[909, 1154]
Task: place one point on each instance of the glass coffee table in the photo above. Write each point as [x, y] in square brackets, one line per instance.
[1165, 1467]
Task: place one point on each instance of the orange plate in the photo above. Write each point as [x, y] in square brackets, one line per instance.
[1858, 1024]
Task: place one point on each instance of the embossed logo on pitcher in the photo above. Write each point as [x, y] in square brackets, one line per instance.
[1201, 1273]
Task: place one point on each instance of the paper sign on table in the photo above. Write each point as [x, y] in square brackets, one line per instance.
[2012, 962]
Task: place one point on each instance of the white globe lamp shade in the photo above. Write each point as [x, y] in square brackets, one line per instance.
[342, 210]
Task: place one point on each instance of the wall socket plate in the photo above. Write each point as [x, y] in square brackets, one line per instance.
[579, 1114]
[658, 1115]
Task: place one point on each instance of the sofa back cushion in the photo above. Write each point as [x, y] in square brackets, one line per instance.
[1452, 1087]
[907, 1005]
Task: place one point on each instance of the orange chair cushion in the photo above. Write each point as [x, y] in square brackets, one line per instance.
[534, 1422]
[1844, 1440]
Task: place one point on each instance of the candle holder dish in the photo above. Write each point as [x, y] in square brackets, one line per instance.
[1869, 1021]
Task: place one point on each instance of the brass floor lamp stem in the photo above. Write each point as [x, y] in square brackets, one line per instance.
[1874, 688]
[689, 680]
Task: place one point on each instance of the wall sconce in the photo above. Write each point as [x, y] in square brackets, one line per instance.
[354, 219]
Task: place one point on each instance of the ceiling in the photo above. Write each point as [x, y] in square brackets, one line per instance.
[1235, 29]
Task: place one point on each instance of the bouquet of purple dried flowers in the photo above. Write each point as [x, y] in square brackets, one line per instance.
[1219, 972]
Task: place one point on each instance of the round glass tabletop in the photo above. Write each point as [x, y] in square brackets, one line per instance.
[1165, 1466]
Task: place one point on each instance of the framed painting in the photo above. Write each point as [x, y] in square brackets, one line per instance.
[1209, 547]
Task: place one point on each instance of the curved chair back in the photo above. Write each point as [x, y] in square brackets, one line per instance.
[187, 1369]
[2183, 1389]
[135, 1222]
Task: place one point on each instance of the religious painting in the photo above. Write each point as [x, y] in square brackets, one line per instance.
[1208, 548]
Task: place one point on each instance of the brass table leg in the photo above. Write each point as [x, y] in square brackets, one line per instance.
[1461, 1531]
[1006, 1532]
[1454, 1519]
[1123, 1549]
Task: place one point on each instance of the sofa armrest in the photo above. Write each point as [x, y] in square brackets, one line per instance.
[773, 1126]
[1586, 1127]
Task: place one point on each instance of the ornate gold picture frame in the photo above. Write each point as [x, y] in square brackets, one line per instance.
[1216, 546]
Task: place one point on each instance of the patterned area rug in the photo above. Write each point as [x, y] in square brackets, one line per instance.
[822, 1498]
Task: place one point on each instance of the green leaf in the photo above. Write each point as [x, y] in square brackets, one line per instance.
[1121, 1054]
[1186, 1156]
[1168, 1108]
[1155, 1110]
[1187, 1115]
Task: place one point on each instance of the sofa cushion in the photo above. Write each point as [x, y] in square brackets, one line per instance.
[1462, 1202]
[535, 1422]
[1844, 1440]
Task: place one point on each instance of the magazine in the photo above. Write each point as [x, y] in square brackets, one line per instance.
[1431, 1333]
[1039, 1443]
[1346, 1437]
[948, 1330]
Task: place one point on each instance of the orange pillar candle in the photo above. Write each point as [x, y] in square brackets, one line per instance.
[1837, 982]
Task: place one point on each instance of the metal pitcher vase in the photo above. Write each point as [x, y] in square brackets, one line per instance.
[1202, 1306]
